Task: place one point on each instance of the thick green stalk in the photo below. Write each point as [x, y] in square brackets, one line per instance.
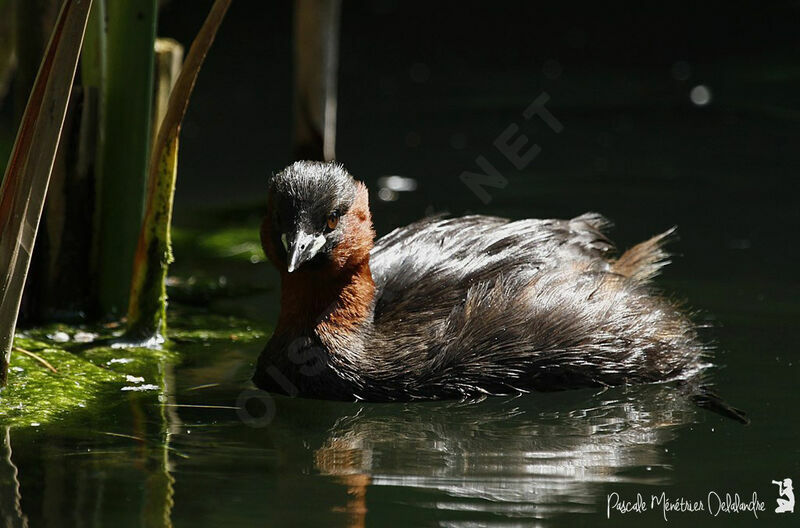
[127, 100]
[148, 298]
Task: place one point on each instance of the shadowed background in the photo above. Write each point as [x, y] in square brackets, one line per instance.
[426, 88]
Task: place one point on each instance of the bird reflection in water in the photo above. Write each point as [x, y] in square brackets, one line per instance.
[527, 457]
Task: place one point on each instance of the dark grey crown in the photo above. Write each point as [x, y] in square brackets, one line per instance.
[315, 184]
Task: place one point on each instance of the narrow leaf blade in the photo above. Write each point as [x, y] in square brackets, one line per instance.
[27, 175]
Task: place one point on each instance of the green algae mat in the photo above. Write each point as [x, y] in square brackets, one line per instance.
[59, 369]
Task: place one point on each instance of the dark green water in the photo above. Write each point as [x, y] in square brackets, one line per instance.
[542, 459]
[633, 147]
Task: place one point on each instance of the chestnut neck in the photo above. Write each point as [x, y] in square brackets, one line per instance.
[336, 299]
[329, 302]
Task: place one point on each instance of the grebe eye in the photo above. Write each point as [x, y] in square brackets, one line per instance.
[333, 220]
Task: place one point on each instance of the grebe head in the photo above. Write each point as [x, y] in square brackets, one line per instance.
[317, 219]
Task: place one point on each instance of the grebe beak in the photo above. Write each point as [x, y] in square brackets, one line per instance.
[303, 248]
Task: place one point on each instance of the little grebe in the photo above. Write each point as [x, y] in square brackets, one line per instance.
[454, 308]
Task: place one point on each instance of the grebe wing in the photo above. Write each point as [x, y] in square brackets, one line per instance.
[445, 256]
